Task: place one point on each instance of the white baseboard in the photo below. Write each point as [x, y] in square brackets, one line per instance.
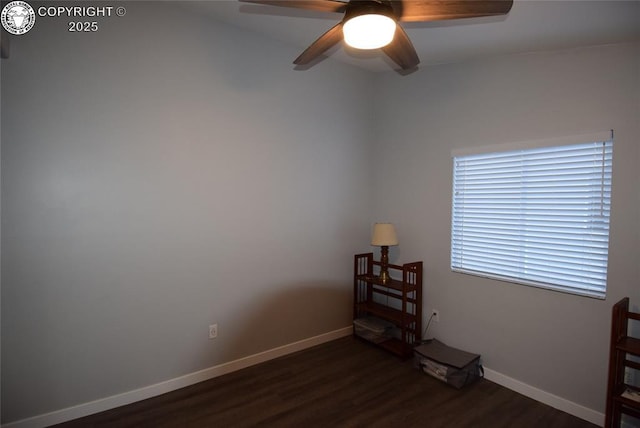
[547, 398]
[114, 401]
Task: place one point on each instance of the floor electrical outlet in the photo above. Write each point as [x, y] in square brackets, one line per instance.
[213, 331]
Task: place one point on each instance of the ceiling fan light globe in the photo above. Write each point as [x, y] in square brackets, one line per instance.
[370, 31]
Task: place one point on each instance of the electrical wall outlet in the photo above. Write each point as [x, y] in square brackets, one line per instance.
[436, 315]
[213, 331]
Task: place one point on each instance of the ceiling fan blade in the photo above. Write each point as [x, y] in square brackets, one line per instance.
[401, 50]
[435, 10]
[317, 5]
[324, 42]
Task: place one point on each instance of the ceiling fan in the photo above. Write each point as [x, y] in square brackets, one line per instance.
[373, 24]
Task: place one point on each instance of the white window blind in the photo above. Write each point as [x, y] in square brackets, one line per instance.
[536, 216]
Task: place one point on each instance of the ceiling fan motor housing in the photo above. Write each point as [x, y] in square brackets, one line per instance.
[366, 7]
[368, 24]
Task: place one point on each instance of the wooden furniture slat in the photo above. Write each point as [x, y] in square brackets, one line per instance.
[630, 345]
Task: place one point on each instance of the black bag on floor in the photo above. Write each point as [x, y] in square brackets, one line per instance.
[452, 366]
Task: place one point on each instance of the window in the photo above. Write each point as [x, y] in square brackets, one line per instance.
[537, 215]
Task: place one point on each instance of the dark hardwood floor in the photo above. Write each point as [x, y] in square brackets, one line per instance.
[343, 383]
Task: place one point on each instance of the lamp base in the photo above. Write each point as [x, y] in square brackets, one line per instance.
[384, 261]
[384, 276]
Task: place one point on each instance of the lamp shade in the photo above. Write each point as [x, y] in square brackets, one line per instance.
[384, 234]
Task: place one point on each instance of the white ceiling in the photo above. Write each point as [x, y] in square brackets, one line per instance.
[531, 26]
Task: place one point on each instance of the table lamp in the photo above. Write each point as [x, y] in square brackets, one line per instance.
[384, 235]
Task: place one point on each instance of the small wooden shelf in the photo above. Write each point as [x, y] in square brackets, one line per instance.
[393, 284]
[398, 300]
[396, 316]
[622, 346]
[629, 344]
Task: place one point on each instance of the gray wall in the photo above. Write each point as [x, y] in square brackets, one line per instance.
[552, 341]
[161, 175]
[167, 173]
